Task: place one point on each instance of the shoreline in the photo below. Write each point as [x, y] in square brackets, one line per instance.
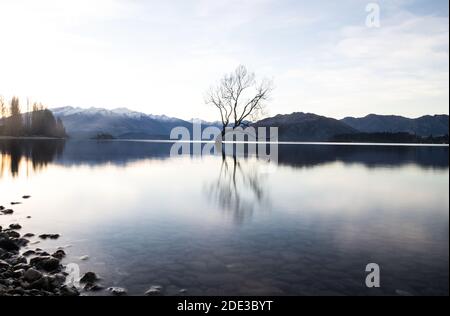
[34, 272]
[169, 141]
[318, 143]
[27, 270]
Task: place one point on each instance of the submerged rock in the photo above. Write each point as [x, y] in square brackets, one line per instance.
[93, 287]
[84, 258]
[403, 293]
[15, 260]
[12, 234]
[21, 242]
[89, 277]
[15, 226]
[48, 264]
[19, 273]
[153, 290]
[50, 236]
[8, 244]
[118, 291]
[24, 266]
[69, 291]
[4, 265]
[32, 275]
[59, 254]
[29, 253]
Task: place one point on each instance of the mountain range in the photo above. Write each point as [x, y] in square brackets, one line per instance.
[120, 123]
[126, 124]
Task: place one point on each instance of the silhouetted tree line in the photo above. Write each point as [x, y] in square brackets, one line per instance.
[40, 153]
[40, 122]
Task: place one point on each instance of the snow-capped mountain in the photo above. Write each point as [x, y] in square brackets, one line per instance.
[69, 110]
[120, 122]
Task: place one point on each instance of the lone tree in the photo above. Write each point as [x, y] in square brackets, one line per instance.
[239, 97]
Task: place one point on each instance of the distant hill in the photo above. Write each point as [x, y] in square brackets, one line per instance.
[305, 127]
[122, 123]
[436, 125]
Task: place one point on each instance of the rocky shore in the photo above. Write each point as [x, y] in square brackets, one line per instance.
[30, 271]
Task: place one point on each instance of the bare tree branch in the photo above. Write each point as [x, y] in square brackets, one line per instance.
[239, 96]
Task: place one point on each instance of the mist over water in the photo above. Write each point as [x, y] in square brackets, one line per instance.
[308, 224]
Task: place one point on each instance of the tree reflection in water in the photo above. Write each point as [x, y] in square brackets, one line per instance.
[239, 188]
[36, 154]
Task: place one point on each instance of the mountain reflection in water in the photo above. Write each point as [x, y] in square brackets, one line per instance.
[40, 153]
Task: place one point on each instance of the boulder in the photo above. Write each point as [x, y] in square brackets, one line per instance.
[89, 277]
[8, 244]
[32, 275]
[46, 263]
[69, 291]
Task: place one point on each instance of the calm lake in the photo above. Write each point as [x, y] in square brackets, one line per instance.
[306, 225]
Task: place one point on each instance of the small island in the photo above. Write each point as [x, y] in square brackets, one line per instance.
[103, 136]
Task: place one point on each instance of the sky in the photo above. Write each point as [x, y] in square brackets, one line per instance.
[160, 57]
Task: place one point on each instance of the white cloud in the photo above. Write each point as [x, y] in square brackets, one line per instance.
[160, 57]
[400, 68]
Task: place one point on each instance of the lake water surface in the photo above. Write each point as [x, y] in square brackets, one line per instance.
[306, 225]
